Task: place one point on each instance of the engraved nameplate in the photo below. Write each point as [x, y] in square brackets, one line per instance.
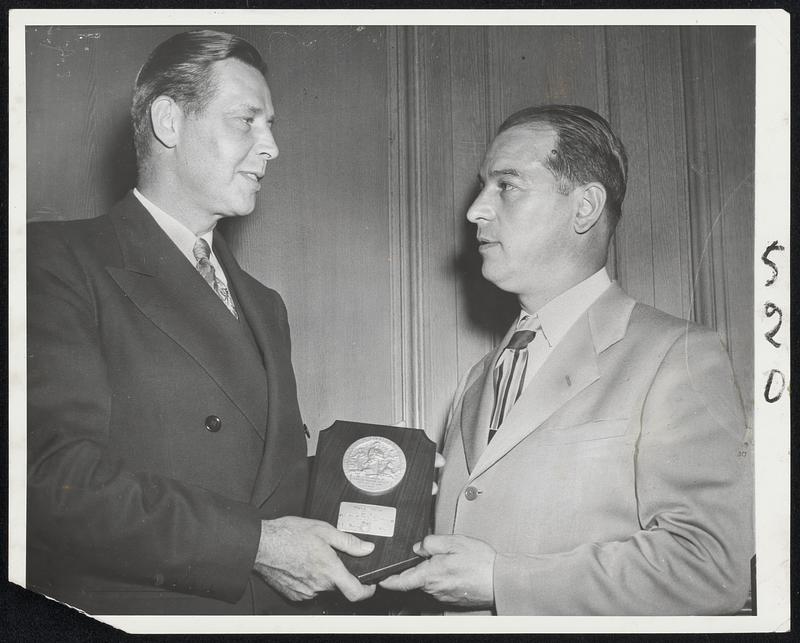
[361, 518]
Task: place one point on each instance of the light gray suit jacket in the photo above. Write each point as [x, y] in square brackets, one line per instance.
[621, 480]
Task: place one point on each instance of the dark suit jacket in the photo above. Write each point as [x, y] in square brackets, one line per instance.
[134, 505]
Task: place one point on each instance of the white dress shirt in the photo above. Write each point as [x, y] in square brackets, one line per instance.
[555, 318]
[181, 236]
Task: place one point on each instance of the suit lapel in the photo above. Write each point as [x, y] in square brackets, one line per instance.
[168, 290]
[281, 392]
[476, 409]
[569, 369]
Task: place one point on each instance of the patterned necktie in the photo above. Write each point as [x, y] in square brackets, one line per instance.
[509, 378]
[202, 252]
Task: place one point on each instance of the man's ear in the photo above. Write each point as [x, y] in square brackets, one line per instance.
[592, 203]
[165, 117]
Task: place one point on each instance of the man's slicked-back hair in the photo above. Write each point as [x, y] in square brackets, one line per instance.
[586, 149]
[180, 67]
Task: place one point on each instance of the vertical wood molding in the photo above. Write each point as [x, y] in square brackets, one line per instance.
[717, 258]
[682, 218]
[669, 201]
[494, 99]
[399, 235]
[703, 177]
[626, 83]
[601, 71]
[414, 358]
[434, 287]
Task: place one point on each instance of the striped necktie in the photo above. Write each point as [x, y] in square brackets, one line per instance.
[202, 253]
[509, 377]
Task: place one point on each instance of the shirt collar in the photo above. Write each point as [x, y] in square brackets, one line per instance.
[180, 235]
[558, 315]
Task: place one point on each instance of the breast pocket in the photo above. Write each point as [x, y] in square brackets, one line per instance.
[583, 432]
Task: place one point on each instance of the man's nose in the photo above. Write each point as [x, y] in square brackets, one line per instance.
[480, 210]
[266, 146]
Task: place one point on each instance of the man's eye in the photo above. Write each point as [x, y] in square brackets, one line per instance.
[247, 119]
[504, 186]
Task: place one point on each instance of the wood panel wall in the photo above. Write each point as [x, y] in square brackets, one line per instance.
[719, 69]
[682, 101]
[361, 221]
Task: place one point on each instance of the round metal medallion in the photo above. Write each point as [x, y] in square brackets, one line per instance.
[374, 464]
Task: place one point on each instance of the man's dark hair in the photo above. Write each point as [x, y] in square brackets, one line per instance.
[586, 150]
[180, 68]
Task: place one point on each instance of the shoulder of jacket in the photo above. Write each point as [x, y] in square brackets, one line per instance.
[74, 229]
[651, 321]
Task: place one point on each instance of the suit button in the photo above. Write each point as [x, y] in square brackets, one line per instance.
[470, 493]
[213, 423]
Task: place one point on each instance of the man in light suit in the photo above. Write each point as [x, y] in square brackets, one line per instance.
[597, 462]
[166, 454]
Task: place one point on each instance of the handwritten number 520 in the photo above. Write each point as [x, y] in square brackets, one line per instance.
[776, 381]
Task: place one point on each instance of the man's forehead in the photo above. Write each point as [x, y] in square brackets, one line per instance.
[235, 77]
[519, 147]
[235, 67]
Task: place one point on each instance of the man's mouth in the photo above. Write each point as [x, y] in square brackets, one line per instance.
[253, 176]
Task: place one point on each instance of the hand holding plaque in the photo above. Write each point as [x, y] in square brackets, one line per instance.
[374, 481]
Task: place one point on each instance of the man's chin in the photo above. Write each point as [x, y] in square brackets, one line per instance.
[241, 211]
[491, 275]
[499, 280]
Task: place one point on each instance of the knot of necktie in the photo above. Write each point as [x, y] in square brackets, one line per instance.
[521, 339]
[201, 249]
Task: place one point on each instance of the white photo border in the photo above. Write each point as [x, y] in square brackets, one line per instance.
[772, 208]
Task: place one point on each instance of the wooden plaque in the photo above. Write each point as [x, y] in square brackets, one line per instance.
[374, 481]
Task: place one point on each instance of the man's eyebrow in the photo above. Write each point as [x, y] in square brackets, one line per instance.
[504, 172]
[247, 107]
[251, 109]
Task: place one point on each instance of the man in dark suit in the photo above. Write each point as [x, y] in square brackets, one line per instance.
[166, 455]
[598, 461]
